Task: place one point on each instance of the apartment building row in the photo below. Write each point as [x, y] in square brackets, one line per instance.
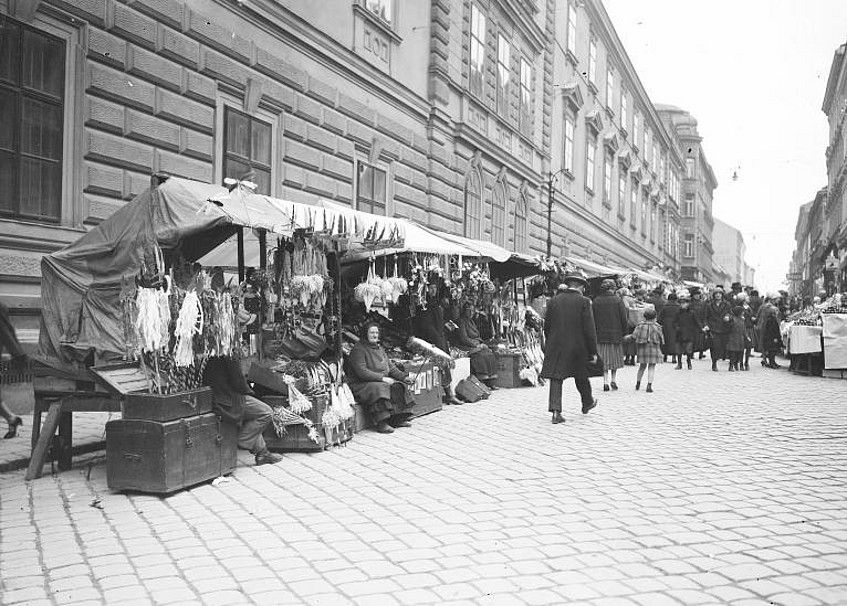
[452, 113]
[819, 261]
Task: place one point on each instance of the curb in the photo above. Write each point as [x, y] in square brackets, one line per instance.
[22, 463]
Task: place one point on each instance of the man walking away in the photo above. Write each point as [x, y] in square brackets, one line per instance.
[571, 341]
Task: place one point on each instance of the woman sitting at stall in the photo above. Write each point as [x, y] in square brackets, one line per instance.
[378, 384]
[483, 360]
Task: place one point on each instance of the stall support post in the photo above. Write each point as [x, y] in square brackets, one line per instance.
[263, 301]
[551, 179]
[240, 234]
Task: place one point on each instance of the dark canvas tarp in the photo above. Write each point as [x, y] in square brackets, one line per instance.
[81, 283]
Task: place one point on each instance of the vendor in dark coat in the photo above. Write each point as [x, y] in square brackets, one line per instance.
[571, 341]
[378, 384]
[430, 328]
[698, 308]
[483, 360]
[667, 317]
[717, 320]
[234, 401]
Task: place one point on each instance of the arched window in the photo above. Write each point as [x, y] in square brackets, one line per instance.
[473, 201]
[521, 220]
[498, 210]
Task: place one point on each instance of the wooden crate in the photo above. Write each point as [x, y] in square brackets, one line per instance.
[155, 407]
[509, 369]
[427, 389]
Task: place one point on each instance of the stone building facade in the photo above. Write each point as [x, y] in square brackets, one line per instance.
[833, 253]
[731, 253]
[698, 186]
[447, 112]
[619, 169]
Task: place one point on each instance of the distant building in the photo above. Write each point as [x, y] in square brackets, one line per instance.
[698, 186]
[806, 272]
[730, 253]
[832, 254]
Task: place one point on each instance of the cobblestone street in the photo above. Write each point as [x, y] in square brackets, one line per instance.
[716, 489]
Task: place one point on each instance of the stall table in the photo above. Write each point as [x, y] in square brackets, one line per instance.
[804, 348]
[835, 345]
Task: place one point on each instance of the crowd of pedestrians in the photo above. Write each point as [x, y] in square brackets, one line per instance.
[621, 327]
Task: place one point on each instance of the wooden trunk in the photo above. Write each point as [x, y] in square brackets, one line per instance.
[509, 369]
[160, 458]
[155, 407]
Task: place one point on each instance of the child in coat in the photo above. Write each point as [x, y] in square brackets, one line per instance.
[735, 343]
[648, 343]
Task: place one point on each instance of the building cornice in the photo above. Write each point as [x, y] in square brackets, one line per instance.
[836, 71]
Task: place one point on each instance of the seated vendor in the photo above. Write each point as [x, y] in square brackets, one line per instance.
[234, 401]
[378, 384]
[430, 327]
[483, 360]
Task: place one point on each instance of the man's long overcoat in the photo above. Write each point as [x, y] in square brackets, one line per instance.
[570, 335]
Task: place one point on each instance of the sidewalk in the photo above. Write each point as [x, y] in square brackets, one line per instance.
[89, 435]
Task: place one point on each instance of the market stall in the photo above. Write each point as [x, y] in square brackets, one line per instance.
[129, 314]
[815, 339]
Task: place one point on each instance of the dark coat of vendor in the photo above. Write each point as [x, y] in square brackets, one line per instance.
[483, 360]
[234, 401]
[430, 328]
[378, 384]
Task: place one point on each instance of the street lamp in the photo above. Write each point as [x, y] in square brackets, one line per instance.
[551, 179]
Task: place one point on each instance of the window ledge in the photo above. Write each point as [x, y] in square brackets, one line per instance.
[571, 57]
[607, 204]
[592, 87]
[567, 173]
[589, 191]
[621, 216]
[624, 133]
[383, 26]
[610, 112]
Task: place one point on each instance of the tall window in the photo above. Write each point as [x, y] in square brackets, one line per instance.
[648, 149]
[526, 96]
[371, 189]
[498, 215]
[247, 149]
[569, 135]
[644, 213]
[572, 27]
[380, 8]
[477, 50]
[590, 155]
[504, 58]
[633, 203]
[32, 90]
[688, 246]
[688, 206]
[655, 158]
[621, 193]
[635, 131]
[610, 87]
[521, 220]
[624, 109]
[689, 167]
[592, 61]
[653, 217]
[473, 205]
[607, 179]
[662, 173]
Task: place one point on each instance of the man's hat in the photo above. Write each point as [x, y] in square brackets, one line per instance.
[573, 276]
[693, 290]
[736, 286]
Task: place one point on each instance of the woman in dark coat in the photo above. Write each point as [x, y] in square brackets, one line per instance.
[698, 308]
[717, 319]
[688, 330]
[668, 319]
[611, 320]
[430, 328]
[378, 384]
[483, 360]
[767, 327]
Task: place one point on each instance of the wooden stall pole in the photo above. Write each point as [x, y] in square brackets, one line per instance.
[337, 268]
[263, 265]
[240, 234]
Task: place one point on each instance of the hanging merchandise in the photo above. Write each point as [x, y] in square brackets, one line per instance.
[188, 324]
[399, 285]
[369, 291]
